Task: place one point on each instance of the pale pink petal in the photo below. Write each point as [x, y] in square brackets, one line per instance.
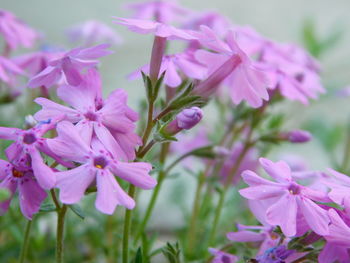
[135, 173]
[73, 183]
[284, 214]
[110, 194]
[316, 217]
[44, 174]
[280, 170]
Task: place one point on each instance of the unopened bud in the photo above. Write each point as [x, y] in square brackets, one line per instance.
[299, 136]
[185, 120]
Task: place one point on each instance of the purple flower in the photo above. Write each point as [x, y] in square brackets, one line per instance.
[21, 177]
[289, 199]
[97, 165]
[30, 143]
[262, 234]
[69, 66]
[246, 81]
[175, 66]
[93, 32]
[275, 255]
[249, 162]
[158, 10]
[217, 22]
[156, 28]
[340, 187]
[35, 62]
[338, 241]
[16, 32]
[294, 71]
[298, 136]
[110, 120]
[222, 257]
[333, 253]
[185, 120]
[9, 71]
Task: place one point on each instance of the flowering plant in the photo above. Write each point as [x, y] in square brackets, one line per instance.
[74, 149]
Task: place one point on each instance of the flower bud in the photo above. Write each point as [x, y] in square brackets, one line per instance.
[186, 119]
[299, 136]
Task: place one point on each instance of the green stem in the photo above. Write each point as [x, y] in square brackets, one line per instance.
[25, 242]
[60, 233]
[127, 223]
[196, 205]
[161, 176]
[228, 182]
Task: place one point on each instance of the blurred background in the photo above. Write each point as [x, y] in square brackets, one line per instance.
[322, 23]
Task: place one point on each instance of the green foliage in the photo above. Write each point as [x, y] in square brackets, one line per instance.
[172, 252]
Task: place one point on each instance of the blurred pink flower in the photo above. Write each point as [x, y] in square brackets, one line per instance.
[230, 65]
[69, 66]
[222, 257]
[93, 32]
[161, 11]
[15, 32]
[175, 67]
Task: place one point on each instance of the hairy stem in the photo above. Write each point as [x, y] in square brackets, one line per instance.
[60, 233]
[25, 242]
[127, 223]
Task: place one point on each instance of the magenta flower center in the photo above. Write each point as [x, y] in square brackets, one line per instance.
[294, 189]
[16, 173]
[91, 116]
[29, 138]
[100, 162]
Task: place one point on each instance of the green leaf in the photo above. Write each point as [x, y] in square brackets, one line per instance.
[172, 252]
[138, 257]
[77, 210]
[47, 207]
[4, 194]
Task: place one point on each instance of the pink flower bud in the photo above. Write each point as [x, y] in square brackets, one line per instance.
[186, 119]
[299, 136]
[189, 118]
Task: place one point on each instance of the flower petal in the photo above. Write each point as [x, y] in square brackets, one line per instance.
[110, 194]
[45, 176]
[73, 183]
[135, 173]
[284, 214]
[31, 195]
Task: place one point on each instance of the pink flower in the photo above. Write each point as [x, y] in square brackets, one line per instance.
[16, 32]
[69, 66]
[97, 165]
[246, 81]
[30, 143]
[294, 71]
[156, 28]
[93, 32]
[290, 199]
[340, 187]
[110, 120]
[217, 22]
[21, 177]
[297, 136]
[222, 257]
[338, 241]
[9, 71]
[35, 62]
[249, 162]
[175, 66]
[262, 234]
[158, 10]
